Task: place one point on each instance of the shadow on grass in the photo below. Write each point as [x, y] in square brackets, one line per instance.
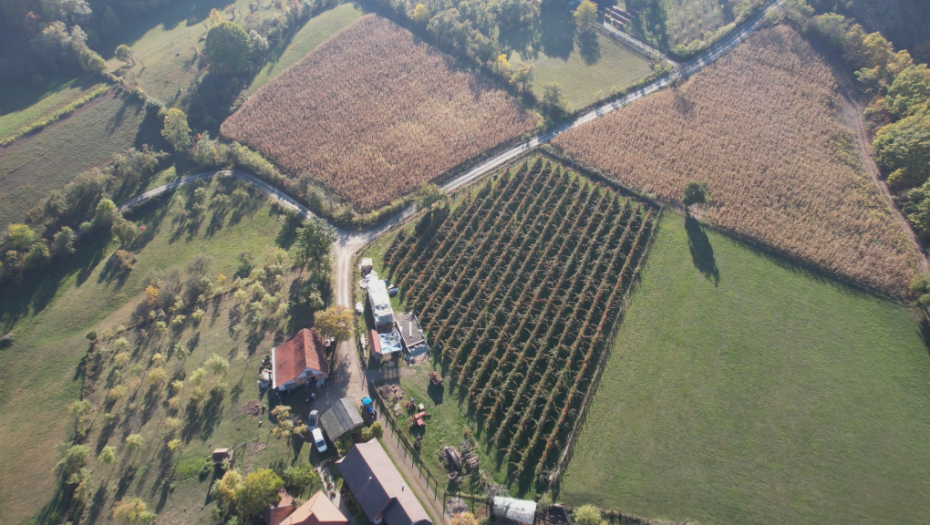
[39, 287]
[589, 47]
[702, 253]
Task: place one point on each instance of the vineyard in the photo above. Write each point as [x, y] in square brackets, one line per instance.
[373, 112]
[519, 288]
[761, 127]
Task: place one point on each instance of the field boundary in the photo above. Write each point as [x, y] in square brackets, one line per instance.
[642, 49]
[55, 116]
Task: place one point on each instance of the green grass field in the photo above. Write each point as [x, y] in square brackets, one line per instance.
[591, 71]
[22, 103]
[743, 389]
[33, 166]
[50, 316]
[313, 33]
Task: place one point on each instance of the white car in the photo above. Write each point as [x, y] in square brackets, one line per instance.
[318, 440]
[313, 419]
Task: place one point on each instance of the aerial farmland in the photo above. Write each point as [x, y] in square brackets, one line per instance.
[464, 263]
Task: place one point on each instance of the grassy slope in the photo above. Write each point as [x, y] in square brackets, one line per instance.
[610, 68]
[33, 166]
[50, 317]
[164, 46]
[22, 103]
[313, 33]
[776, 396]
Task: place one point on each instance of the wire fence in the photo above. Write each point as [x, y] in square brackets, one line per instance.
[435, 484]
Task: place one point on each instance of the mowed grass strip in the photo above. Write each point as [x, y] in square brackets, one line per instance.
[373, 112]
[774, 395]
[33, 166]
[597, 68]
[761, 128]
[316, 31]
[23, 103]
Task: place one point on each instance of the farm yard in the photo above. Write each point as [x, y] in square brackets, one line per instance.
[684, 26]
[762, 128]
[519, 288]
[373, 112]
[764, 393]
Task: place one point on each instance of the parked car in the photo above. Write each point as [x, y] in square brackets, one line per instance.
[313, 419]
[318, 440]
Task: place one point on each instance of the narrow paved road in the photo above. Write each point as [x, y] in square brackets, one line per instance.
[349, 242]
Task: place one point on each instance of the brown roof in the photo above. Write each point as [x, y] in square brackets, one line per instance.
[379, 487]
[276, 512]
[304, 351]
[318, 510]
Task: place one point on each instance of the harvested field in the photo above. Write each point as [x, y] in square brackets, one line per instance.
[373, 113]
[520, 288]
[761, 127]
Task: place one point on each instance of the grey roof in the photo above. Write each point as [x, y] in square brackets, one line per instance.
[379, 487]
[519, 510]
[409, 327]
[341, 418]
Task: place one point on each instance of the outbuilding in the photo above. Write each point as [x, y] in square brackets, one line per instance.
[517, 511]
[380, 303]
[341, 418]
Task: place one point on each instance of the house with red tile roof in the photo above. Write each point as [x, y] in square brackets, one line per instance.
[318, 510]
[277, 512]
[299, 361]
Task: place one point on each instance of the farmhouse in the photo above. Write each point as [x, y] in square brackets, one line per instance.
[318, 510]
[277, 512]
[298, 361]
[380, 303]
[379, 488]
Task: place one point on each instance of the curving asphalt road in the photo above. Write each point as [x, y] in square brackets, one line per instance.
[349, 242]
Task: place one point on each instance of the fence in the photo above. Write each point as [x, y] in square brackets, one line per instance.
[599, 370]
[433, 483]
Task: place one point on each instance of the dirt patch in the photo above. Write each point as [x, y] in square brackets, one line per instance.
[252, 408]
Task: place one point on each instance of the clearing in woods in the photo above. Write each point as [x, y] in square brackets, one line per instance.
[743, 389]
[373, 112]
[51, 314]
[588, 65]
[31, 167]
[762, 128]
[519, 289]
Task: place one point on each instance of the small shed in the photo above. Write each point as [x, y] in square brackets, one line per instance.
[514, 510]
[410, 332]
[223, 454]
[341, 418]
[365, 265]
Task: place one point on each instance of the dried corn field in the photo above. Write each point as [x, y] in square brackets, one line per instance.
[373, 113]
[521, 286]
[761, 128]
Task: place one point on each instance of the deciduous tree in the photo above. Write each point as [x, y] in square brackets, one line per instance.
[256, 491]
[176, 130]
[228, 48]
[694, 193]
[586, 15]
[336, 322]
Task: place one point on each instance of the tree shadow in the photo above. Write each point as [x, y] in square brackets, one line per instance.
[436, 393]
[702, 253]
[589, 47]
[556, 30]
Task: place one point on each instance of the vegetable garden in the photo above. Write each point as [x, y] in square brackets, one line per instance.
[519, 289]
